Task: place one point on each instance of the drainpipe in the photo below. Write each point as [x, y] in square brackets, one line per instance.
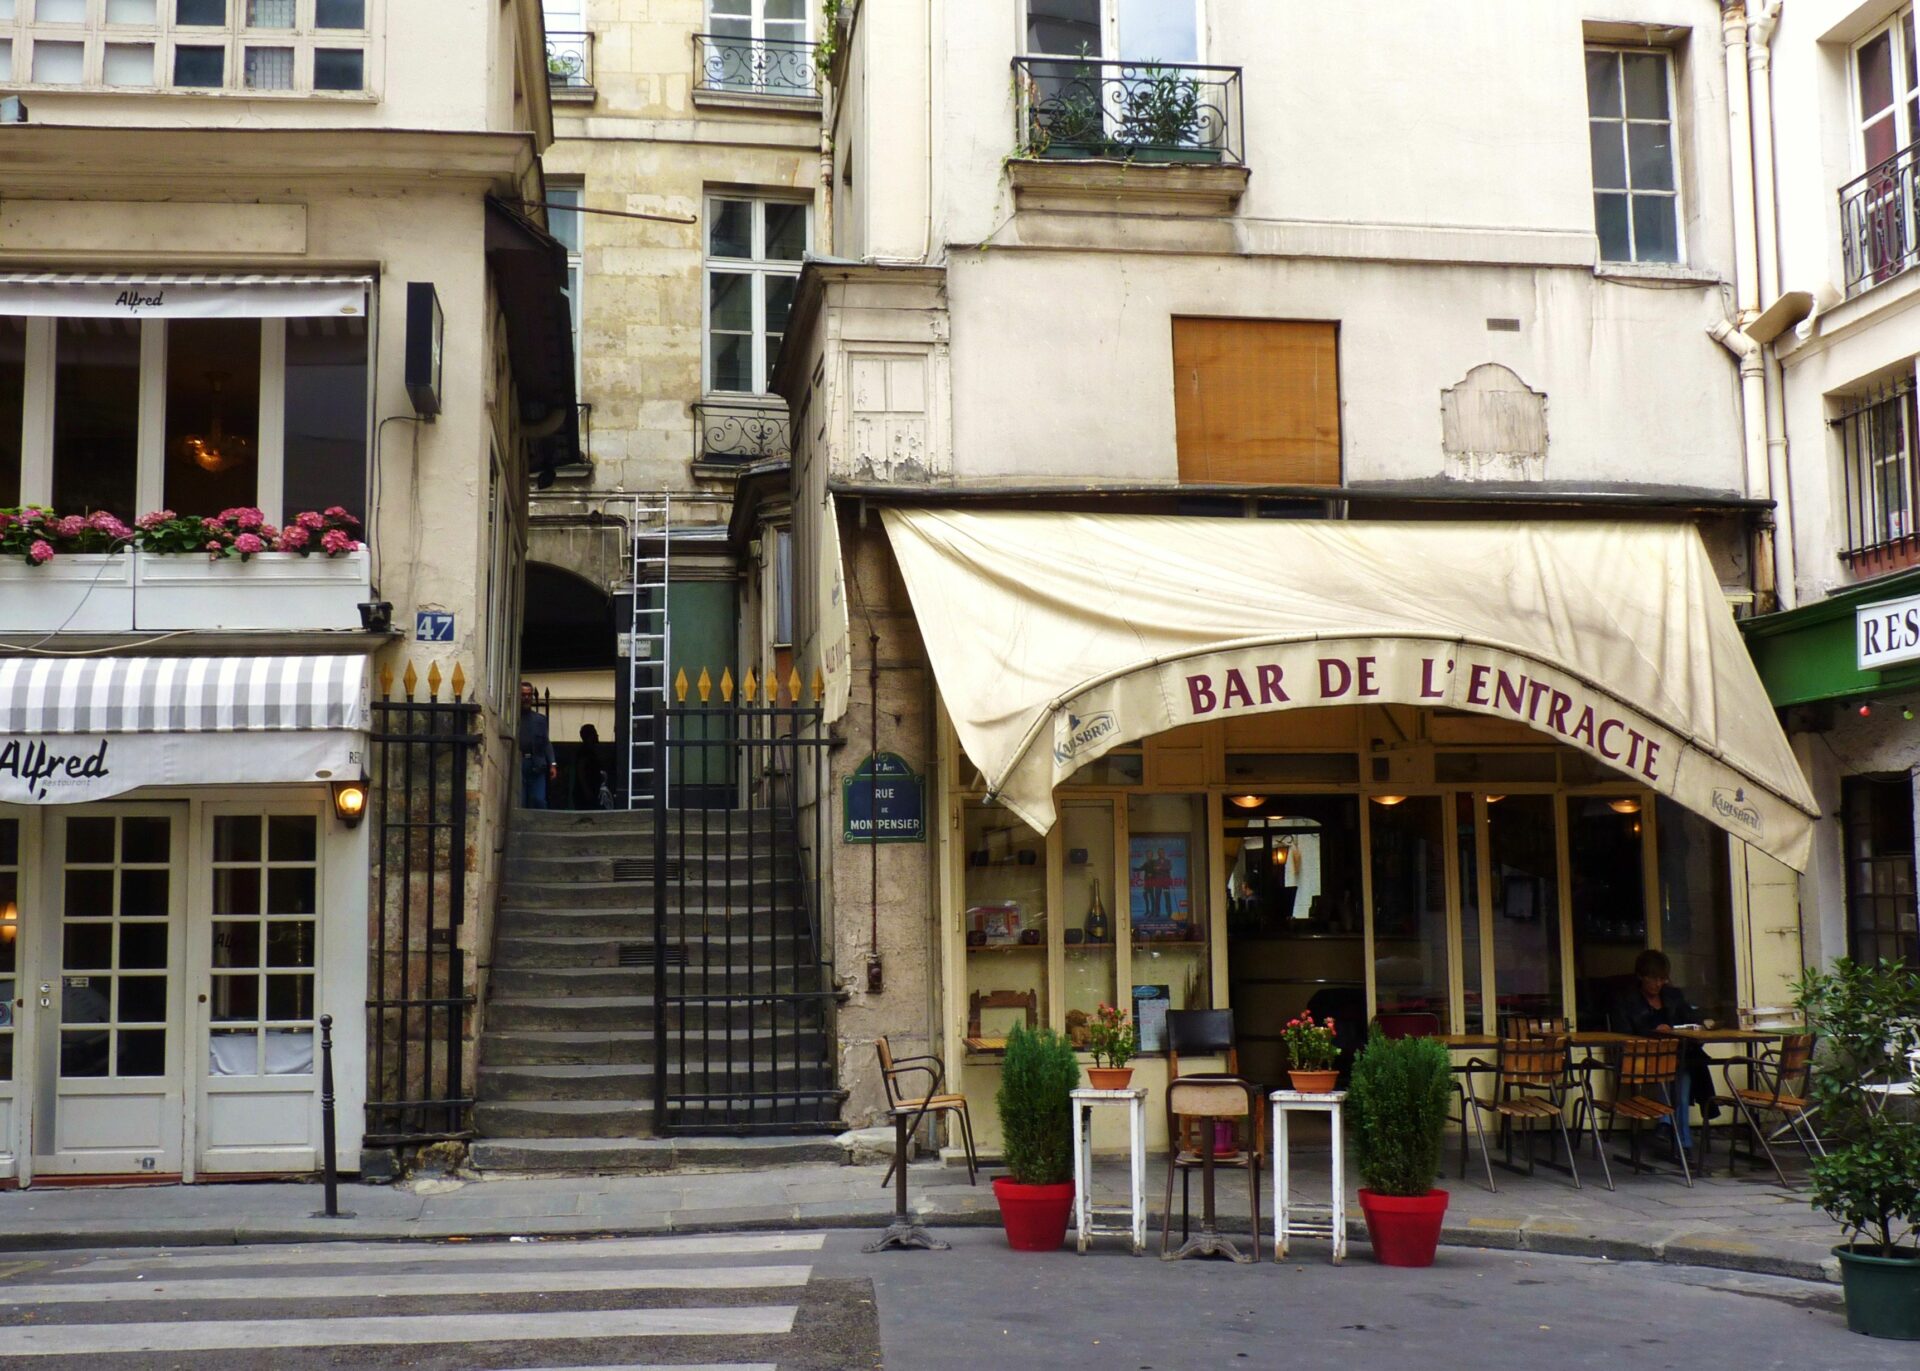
[1760, 31]
[1746, 251]
[1753, 414]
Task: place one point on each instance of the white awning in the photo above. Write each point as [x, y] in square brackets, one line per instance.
[164, 296]
[1057, 637]
[73, 730]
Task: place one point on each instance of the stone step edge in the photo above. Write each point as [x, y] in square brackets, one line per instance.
[500, 1157]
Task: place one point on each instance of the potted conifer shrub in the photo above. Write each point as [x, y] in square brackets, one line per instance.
[1397, 1098]
[1037, 1081]
[1867, 1022]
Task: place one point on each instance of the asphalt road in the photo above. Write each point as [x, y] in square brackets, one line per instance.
[815, 1302]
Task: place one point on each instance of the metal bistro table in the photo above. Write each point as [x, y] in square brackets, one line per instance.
[1286, 1225]
[1086, 1214]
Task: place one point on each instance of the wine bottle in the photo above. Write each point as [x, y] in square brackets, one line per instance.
[1097, 929]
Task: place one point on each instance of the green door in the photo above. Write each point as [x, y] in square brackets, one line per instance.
[700, 615]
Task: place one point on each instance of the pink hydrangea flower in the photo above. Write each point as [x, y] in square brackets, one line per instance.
[70, 527]
[249, 518]
[311, 521]
[215, 546]
[156, 518]
[41, 552]
[339, 512]
[334, 542]
[103, 522]
[6, 521]
[294, 538]
[213, 525]
[247, 544]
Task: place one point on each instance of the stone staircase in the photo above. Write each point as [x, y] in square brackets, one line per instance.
[566, 1074]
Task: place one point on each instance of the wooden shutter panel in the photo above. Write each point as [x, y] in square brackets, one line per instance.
[1257, 401]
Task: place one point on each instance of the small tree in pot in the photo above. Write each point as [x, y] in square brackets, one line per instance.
[1398, 1100]
[1037, 1081]
[1867, 1019]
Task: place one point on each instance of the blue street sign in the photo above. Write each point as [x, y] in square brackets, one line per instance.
[432, 626]
[883, 802]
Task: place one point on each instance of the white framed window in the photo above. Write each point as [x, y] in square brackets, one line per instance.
[1120, 30]
[261, 991]
[255, 46]
[754, 249]
[194, 415]
[761, 47]
[1878, 231]
[1886, 91]
[1630, 127]
[564, 199]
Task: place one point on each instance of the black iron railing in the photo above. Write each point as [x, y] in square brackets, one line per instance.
[1878, 218]
[418, 997]
[744, 1010]
[755, 66]
[1076, 107]
[743, 432]
[1880, 468]
[570, 61]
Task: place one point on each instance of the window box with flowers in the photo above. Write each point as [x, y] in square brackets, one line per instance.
[170, 572]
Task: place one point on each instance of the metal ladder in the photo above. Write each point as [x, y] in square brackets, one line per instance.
[649, 643]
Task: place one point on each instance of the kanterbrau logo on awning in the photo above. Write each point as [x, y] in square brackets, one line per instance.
[1079, 733]
[39, 767]
[1733, 805]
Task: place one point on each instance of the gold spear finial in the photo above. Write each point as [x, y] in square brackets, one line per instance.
[459, 682]
[680, 686]
[726, 684]
[409, 679]
[705, 685]
[433, 680]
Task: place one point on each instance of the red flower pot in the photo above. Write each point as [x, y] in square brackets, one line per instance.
[1109, 1077]
[1404, 1229]
[1035, 1216]
[1314, 1082]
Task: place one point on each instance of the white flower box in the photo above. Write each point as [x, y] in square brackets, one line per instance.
[270, 590]
[77, 592]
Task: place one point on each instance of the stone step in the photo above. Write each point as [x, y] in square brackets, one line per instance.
[625, 1118]
[632, 1013]
[561, 981]
[633, 1047]
[560, 821]
[616, 1156]
[627, 1081]
[545, 867]
[562, 952]
[738, 892]
[631, 924]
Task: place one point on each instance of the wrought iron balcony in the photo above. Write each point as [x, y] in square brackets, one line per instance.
[775, 67]
[569, 62]
[741, 431]
[1079, 107]
[1880, 467]
[1879, 214]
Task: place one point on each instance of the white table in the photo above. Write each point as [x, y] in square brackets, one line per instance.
[1087, 1215]
[1330, 1220]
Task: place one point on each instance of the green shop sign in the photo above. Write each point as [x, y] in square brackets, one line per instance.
[1844, 647]
[883, 801]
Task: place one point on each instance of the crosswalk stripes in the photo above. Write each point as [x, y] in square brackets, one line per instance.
[720, 1301]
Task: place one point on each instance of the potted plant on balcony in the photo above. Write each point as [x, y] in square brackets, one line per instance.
[1867, 1021]
[1397, 1099]
[1037, 1080]
[1163, 118]
[1313, 1054]
[1110, 1037]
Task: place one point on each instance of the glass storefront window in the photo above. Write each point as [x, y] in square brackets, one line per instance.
[1524, 883]
[1005, 925]
[1410, 909]
[96, 416]
[1087, 886]
[9, 937]
[265, 895]
[1166, 910]
[212, 430]
[1467, 863]
[1608, 881]
[1696, 909]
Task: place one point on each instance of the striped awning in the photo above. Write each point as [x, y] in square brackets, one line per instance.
[164, 295]
[182, 695]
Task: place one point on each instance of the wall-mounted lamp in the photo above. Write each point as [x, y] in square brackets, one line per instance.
[1388, 800]
[1625, 805]
[9, 921]
[350, 802]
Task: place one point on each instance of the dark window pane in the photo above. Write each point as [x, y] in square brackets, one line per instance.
[236, 838]
[326, 461]
[142, 1053]
[84, 1053]
[143, 947]
[289, 997]
[1655, 236]
[236, 943]
[1875, 60]
[1650, 150]
[1646, 82]
[9, 842]
[786, 232]
[6, 1056]
[730, 301]
[732, 362]
[1067, 26]
[200, 12]
[235, 997]
[89, 840]
[96, 419]
[146, 840]
[236, 890]
[339, 69]
[144, 890]
[1603, 85]
[292, 837]
[89, 893]
[13, 390]
[1609, 158]
[1610, 221]
[213, 414]
[84, 1003]
[290, 891]
[290, 944]
[779, 306]
[340, 14]
[731, 232]
[143, 999]
[198, 66]
[86, 947]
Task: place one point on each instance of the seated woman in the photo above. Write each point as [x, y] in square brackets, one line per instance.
[1655, 1005]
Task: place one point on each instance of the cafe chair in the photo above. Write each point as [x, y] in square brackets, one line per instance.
[1208, 1100]
[1207, 1033]
[1643, 1074]
[1532, 1085]
[1779, 1090]
[930, 1100]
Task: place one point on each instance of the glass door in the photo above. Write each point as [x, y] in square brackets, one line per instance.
[114, 1003]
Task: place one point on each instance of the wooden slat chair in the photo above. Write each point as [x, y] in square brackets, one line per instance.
[1779, 1088]
[1643, 1076]
[1531, 1086]
[931, 1100]
[1208, 1033]
[1207, 1099]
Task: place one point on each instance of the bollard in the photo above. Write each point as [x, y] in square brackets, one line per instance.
[330, 1165]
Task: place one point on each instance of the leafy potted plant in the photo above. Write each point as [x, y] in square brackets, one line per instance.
[1397, 1099]
[1037, 1080]
[1163, 117]
[1867, 1021]
[1313, 1056]
[1110, 1036]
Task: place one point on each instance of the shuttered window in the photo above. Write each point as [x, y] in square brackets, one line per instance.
[1257, 401]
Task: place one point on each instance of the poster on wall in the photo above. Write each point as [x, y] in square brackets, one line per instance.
[1159, 898]
[1150, 1005]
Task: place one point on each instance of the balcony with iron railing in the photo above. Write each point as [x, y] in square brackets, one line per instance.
[1880, 469]
[737, 432]
[754, 69]
[1879, 216]
[1087, 107]
[570, 66]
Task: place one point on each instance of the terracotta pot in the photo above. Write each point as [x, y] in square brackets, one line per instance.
[1035, 1216]
[1404, 1229]
[1314, 1082]
[1109, 1077]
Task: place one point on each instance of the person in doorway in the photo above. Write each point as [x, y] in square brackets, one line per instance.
[590, 771]
[538, 765]
[1655, 1005]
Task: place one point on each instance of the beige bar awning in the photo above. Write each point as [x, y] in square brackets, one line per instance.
[1057, 637]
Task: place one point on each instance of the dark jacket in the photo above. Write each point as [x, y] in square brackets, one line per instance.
[535, 744]
[1634, 1015]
